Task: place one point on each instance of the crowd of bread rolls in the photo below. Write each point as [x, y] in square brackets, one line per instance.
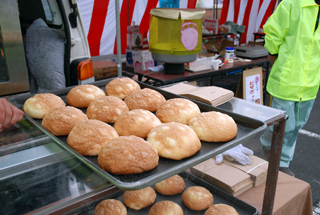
[108, 123]
[195, 198]
[128, 129]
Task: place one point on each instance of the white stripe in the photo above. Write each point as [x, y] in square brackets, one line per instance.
[242, 10]
[183, 3]
[310, 134]
[85, 8]
[109, 30]
[262, 12]
[252, 20]
[138, 11]
[230, 16]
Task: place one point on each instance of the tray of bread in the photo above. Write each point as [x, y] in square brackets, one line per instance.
[180, 194]
[134, 134]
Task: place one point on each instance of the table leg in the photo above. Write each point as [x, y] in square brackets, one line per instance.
[273, 169]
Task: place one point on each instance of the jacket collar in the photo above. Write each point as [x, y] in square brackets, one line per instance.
[305, 3]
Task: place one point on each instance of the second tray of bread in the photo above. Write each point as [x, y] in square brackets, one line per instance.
[246, 128]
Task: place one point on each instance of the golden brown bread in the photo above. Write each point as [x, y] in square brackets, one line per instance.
[214, 126]
[82, 95]
[89, 136]
[110, 207]
[197, 198]
[40, 104]
[61, 120]
[221, 209]
[177, 110]
[121, 87]
[146, 99]
[136, 122]
[138, 199]
[170, 186]
[166, 208]
[106, 109]
[174, 140]
[127, 155]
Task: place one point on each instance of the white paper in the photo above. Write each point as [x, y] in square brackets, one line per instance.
[253, 90]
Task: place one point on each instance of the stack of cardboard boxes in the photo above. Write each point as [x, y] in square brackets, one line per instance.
[138, 55]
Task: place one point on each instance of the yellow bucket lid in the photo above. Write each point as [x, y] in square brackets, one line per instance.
[176, 13]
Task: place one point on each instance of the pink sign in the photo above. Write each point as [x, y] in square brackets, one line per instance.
[189, 35]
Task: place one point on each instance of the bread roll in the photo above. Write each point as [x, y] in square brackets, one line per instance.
[61, 120]
[106, 109]
[166, 208]
[170, 186]
[197, 198]
[214, 126]
[146, 99]
[40, 104]
[82, 95]
[177, 110]
[122, 87]
[221, 209]
[88, 136]
[136, 122]
[138, 199]
[174, 140]
[110, 207]
[127, 155]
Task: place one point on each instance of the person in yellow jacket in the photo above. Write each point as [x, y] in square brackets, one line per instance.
[293, 41]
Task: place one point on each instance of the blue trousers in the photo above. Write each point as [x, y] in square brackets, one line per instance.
[298, 113]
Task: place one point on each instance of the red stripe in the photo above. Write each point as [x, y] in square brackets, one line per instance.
[123, 24]
[236, 10]
[224, 12]
[145, 21]
[192, 4]
[268, 13]
[99, 14]
[246, 21]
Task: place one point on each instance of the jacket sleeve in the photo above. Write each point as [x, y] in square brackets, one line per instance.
[276, 27]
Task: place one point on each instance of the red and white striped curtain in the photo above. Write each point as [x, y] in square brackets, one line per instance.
[251, 13]
[99, 19]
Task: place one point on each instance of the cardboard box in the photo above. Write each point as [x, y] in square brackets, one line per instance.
[134, 38]
[104, 69]
[218, 47]
[139, 59]
[211, 25]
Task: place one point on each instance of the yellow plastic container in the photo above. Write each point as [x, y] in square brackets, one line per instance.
[175, 31]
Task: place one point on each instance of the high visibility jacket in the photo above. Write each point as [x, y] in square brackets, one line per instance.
[290, 33]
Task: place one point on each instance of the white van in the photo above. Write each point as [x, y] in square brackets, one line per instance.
[43, 46]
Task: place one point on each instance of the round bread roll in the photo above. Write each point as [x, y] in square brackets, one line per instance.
[177, 110]
[221, 209]
[61, 120]
[82, 95]
[106, 109]
[214, 126]
[197, 198]
[170, 186]
[136, 122]
[122, 87]
[166, 208]
[40, 104]
[138, 199]
[174, 140]
[127, 155]
[146, 99]
[110, 207]
[88, 136]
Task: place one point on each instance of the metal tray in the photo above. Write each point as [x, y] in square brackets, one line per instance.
[219, 196]
[247, 128]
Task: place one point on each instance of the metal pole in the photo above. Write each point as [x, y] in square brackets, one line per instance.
[213, 8]
[119, 61]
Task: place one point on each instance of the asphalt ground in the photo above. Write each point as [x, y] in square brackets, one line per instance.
[306, 160]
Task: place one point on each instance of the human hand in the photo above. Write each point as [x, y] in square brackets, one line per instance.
[9, 114]
[239, 153]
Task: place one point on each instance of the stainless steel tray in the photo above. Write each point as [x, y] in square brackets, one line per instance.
[247, 128]
[219, 196]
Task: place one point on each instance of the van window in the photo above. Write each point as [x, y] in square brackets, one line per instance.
[47, 10]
